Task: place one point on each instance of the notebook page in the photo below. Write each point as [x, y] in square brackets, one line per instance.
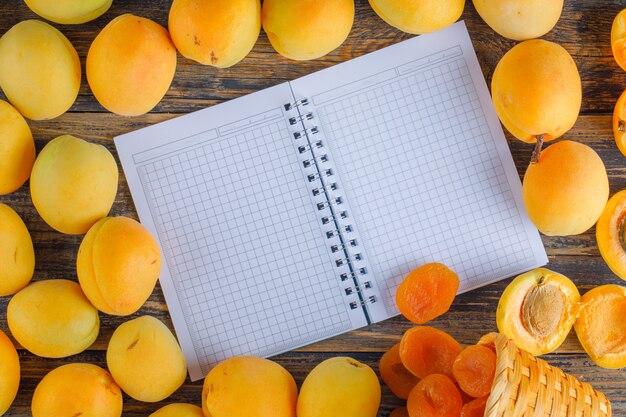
[424, 163]
[246, 268]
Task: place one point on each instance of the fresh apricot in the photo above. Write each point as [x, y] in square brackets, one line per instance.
[601, 328]
[566, 190]
[17, 149]
[400, 412]
[427, 292]
[520, 19]
[474, 370]
[69, 12]
[393, 372]
[17, 255]
[475, 408]
[619, 123]
[537, 310]
[537, 91]
[618, 39]
[178, 410]
[435, 396]
[9, 372]
[418, 17]
[425, 350]
[611, 234]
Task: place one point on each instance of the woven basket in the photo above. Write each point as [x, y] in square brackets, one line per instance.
[526, 386]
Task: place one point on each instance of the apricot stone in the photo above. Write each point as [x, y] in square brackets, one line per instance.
[601, 327]
[178, 410]
[418, 16]
[17, 149]
[610, 234]
[537, 310]
[145, 359]
[247, 386]
[307, 29]
[619, 123]
[566, 190]
[340, 387]
[77, 389]
[130, 65]
[215, 32]
[520, 19]
[73, 184]
[537, 91]
[17, 256]
[9, 372]
[53, 319]
[118, 265]
[618, 39]
[69, 12]
[39, 70]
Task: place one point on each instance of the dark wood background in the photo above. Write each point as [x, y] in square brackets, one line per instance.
[584, 30]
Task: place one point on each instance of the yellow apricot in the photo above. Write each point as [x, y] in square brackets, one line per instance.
[601, 328]
[73, 184]
[537, 91]
[53, 319]
[618, 39]
[77, 389]
[178, 410]
[39, 70]
[69, 12]
[118, 265]
[340, 387]
[619, 123]
[537, 310]
[307, 29]
[17, 256]
[17, 149]
[247, 386]
[215, 32]
[610, 234]
[520, 19]
[9, 372]
[130, 65]
[566, 190]
[145, 359]
[421, 16]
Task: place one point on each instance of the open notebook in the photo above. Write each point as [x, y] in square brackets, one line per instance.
[292, 214]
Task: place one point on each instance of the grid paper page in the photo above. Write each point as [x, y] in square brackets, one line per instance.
[249, 270]
[426, 170]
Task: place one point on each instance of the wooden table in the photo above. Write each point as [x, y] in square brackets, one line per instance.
[584, 30]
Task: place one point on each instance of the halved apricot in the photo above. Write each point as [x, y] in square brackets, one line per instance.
[537, 310]
[393, 372]
[474, 370]
[618, 39]
[601, 327]
[400, 412]
[435, 396]
[611, 234]
[475, 408]
[619, 123]
[427, 292]
[425, 350]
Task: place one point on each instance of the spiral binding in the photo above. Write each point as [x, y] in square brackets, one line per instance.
[343, 246]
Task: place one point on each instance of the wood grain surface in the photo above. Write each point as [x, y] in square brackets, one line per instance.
[584, 30]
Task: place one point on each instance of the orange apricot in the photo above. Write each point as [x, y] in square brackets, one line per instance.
[619, 123]
[601, 328]
[427, 292]
[435, 396]
[474, 370]
[475, 408]
[611, 234]
[400, 412]
[618, 39]
[425, 350]
[393, 372]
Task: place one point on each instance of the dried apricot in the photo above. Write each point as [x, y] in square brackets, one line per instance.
[425, 350]
[474, 370]
[475, 408]
[435, 396]
[427, 292]
[400, 412]
[393, 372]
